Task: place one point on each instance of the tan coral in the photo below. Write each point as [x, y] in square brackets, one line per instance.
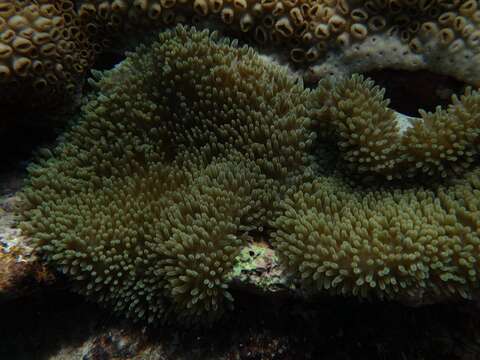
[318, 37]
[44, 51]
[409, 35]
[330, 36]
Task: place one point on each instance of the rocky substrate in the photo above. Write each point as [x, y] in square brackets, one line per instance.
[57, 325]
[20, 272]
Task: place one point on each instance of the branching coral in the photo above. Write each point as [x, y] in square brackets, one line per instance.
[145, 202]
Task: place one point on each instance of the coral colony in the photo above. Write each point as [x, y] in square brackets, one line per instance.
[193, 142]
[47, 47]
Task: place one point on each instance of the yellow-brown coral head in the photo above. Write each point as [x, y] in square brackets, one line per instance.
[443, 37]
[44, 52]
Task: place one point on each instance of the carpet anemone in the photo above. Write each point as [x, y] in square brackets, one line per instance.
[146, 200]
[192, 143]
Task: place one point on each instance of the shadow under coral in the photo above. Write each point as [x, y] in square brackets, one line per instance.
[409, 91]
[59, 325]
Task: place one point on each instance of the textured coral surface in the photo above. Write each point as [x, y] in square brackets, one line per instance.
[46, 47]
[45, 51]
[442, 36]
[356, 35]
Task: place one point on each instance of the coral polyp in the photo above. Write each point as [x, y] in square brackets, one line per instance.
[47, 47]
[45, 50]
[440, 36]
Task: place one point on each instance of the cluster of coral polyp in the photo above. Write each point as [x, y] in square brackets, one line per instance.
[44, 50]
[192, 144]
[47, 46]
[437, 35]
[442, 36]
[404, 33]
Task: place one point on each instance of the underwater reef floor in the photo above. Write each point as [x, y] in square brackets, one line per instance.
[58, 325]
[48, 322]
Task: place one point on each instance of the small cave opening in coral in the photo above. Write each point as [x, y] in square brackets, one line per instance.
[108, 59]
[22, 134]
[410, 91]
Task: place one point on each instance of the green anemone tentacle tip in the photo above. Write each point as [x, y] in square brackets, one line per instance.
[394, 211]
[184, 147]
[193, 143]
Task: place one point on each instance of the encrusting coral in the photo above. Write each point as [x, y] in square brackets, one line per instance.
[328, 37]
[436, 35]
[184, 149]
[408, 34]
[48, 46]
